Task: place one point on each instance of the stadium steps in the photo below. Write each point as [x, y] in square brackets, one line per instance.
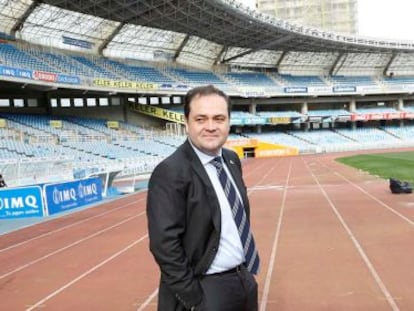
[86, 126]
[19, 154]
[389, 133]
[95, 69]
[131, 148]
[301, 138]
[164, 143]
[346, 136]
[277, 79]
[111, 67]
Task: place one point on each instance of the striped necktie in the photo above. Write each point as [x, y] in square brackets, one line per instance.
[239, 215]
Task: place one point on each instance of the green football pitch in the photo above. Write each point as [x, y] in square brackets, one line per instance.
[398, 165]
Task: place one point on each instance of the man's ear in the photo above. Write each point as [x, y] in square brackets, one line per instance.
[186, 125]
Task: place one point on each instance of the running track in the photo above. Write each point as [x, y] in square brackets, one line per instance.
[330, 238]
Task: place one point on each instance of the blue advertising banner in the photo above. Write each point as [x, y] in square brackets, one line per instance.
[21, 202]
[15, 72]
[347, 88]
[78, 42]
[296, 89]
[69, 195]
[68, 79]
[44, 76]
[236, 121]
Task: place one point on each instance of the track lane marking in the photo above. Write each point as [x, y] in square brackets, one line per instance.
[358, 246]
[266, 288]
[148, 300]
[31, 263]
[411, 222]
[65, 227]
[80, 277]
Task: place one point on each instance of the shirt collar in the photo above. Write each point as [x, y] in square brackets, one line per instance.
[204, 158]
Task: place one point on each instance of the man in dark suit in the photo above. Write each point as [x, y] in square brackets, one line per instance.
[2, 182]
[193, 236]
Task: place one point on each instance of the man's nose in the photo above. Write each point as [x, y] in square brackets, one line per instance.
[211, 125]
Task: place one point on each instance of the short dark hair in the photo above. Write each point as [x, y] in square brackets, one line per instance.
[203, 91]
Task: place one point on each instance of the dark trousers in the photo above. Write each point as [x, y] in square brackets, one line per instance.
[235, 291]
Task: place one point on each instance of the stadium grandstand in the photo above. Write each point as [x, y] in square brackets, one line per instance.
[94, 88]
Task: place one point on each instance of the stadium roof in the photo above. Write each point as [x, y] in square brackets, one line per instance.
[205, 32]
[227, 23]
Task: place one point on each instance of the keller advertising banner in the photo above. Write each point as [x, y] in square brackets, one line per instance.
[57, 124]
[279, 120]
[121, 84]
[161, 113]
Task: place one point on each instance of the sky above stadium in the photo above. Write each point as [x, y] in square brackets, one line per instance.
[389, 19]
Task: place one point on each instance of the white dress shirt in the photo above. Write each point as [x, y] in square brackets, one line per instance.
[230, 252]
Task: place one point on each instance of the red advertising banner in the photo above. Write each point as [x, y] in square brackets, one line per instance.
[408, 115]
[360, 117]
[44, 76]
[376, 116]
[394, 115]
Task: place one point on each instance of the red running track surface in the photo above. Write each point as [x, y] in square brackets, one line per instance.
[330, 238]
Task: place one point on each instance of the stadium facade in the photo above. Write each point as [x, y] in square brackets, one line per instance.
[329, 15]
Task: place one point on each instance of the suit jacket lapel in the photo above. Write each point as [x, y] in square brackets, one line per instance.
[199, 169]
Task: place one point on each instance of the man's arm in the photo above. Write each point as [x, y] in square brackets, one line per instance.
[166, 212]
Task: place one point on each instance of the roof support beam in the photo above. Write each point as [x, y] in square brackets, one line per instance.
[110, 38]
[265, 46]
[180, 48]
[219, 55]
[331, 70]
[20, 22]
[279, 61]
[387, 66]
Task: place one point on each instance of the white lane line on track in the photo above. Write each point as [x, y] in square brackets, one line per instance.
[148, 301]
[359, 248]
[102, 263]
[30, 263]
[266, 187]
[66, 227]
[272, 260]
[411, 222]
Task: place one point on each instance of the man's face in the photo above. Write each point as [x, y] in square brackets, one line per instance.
[208, 123]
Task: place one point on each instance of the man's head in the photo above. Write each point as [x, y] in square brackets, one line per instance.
[207, 118]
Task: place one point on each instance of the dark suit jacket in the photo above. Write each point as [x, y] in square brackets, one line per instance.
[184, 224]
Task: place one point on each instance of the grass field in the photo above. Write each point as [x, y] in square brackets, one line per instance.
[398, 165]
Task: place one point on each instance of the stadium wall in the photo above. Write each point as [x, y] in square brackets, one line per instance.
[107, 113]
